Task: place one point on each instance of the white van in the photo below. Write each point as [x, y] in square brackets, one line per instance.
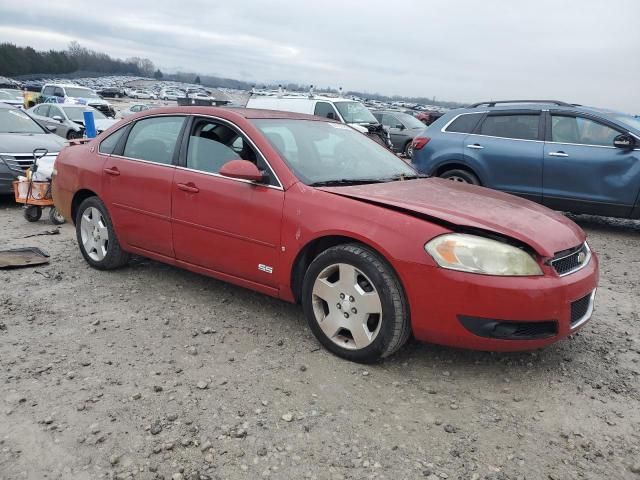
[75, 94]
[346, 111]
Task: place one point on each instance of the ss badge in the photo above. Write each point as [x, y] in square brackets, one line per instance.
[265, 268]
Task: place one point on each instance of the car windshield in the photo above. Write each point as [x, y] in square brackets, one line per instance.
[77, 114]
[325, 153]
[355, 112]
[13, 120]
[80, 92]
[409, 121]
[630, 120]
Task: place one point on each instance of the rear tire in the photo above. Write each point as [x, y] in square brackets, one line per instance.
[355, 304]
[97, 237]
[72, 134]
[461, 176]
[408, 149]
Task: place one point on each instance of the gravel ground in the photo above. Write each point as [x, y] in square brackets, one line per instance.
[154, 372]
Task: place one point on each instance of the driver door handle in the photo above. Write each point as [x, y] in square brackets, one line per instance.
[112, 171]
[558, 154]
[475, 146]
[188, 187]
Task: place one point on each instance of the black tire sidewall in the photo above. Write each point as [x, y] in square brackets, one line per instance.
[33, 213]
[375, 351]
[108, 262]
[471, 178]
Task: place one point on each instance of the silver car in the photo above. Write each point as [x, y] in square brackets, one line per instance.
[68, 120]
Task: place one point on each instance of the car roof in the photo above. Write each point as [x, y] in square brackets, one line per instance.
[248, 113]
[65, 85]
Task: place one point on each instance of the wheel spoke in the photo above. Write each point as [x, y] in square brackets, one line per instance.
[331, 324]
[347, 277]
[104, 233]
[369, 302]
[325, 290]
[361, 335]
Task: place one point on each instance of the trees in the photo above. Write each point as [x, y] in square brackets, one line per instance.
[158, 74]
[197, 80]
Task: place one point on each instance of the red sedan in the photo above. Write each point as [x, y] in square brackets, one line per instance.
[308, 210]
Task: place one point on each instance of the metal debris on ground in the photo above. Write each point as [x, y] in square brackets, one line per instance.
[22, 257]
[54, 231]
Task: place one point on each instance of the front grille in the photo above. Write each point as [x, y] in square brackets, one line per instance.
[579, 308]
[19, 162]
[571, 261]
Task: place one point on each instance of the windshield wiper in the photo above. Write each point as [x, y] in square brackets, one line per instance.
[402, 176]
[347, 181]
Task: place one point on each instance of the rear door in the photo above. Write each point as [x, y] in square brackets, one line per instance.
[507, 147]
[583, 171]
[137, 180]
[225, 225]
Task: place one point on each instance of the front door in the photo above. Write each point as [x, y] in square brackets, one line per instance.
[508, 147]
[226, 225]
[137, 184]
[584, 172]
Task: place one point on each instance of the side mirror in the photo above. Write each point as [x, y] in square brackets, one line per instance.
[331, 115]
[57, 118]
[624, 141]
[242, 170]
[400, 126]
[51, 128]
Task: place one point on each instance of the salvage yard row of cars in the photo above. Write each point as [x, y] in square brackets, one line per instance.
[302, 206]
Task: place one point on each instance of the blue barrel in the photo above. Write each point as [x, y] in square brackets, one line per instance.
[89, 124]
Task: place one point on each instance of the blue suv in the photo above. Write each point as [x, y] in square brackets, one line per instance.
[567, 157]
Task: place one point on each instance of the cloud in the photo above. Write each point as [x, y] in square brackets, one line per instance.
[576, 50]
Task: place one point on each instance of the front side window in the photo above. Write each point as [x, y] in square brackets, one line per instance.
[212, 144]
[582, 131]
[55, 112]
[465, 123]
[80, 92]
[325, 152]
[522, 127]
[109, 144]
[154, 139]
[47, 91]
[43, 110]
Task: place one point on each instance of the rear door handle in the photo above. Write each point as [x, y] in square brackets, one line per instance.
[475, 146]
[112, 171]
[188, 187]
[558, 154]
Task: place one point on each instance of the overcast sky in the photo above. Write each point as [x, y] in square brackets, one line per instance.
[582, 51]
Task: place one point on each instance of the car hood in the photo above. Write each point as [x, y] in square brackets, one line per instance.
[27, 143]
[473, 207]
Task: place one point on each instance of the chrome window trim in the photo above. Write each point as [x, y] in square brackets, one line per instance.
[211, 174]
[186, 115]
[584, 264]
[588, 313]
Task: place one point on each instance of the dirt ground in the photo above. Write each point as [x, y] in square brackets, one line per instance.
[153, 372]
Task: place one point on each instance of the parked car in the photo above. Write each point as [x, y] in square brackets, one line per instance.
[12, 97]
[20, 135]
[350, 112]
[403, 128]
[136, 108]
[567, 157]
[141, 94]
[308, 210]
[68, 120]
[74, 94]
[170, 94]
[428, 117]
[112, 92]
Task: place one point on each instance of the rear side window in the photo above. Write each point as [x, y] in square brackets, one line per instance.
[47, 91]
[109, 144]
[323, 109]
[522, 127]
[464, 123]
[154, 139]
[582, 131]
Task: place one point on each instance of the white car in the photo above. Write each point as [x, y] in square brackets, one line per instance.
[170, 94]
[138, 107]
[141, 94]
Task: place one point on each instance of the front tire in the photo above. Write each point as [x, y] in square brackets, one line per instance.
[354, 304]
[460, 176]
[33, 213]
[96, 236]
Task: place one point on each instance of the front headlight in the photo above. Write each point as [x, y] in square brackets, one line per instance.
[474, 254]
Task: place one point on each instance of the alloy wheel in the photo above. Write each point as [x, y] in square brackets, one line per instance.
[94, 234]
[456, 178]
[347, 306]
